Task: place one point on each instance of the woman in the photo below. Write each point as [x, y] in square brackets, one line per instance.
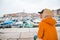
[47, 30]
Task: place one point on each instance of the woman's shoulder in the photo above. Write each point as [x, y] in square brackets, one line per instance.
[42, 23]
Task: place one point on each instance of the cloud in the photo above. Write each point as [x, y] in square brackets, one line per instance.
[12, 6]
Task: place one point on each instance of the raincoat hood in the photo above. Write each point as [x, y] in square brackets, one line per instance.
[49, 21]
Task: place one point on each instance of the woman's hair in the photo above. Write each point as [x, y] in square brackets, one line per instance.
[47, 12]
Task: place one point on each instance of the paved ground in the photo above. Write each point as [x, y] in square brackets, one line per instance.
[20, 33]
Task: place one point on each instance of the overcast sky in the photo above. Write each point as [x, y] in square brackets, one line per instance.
[32, 6]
